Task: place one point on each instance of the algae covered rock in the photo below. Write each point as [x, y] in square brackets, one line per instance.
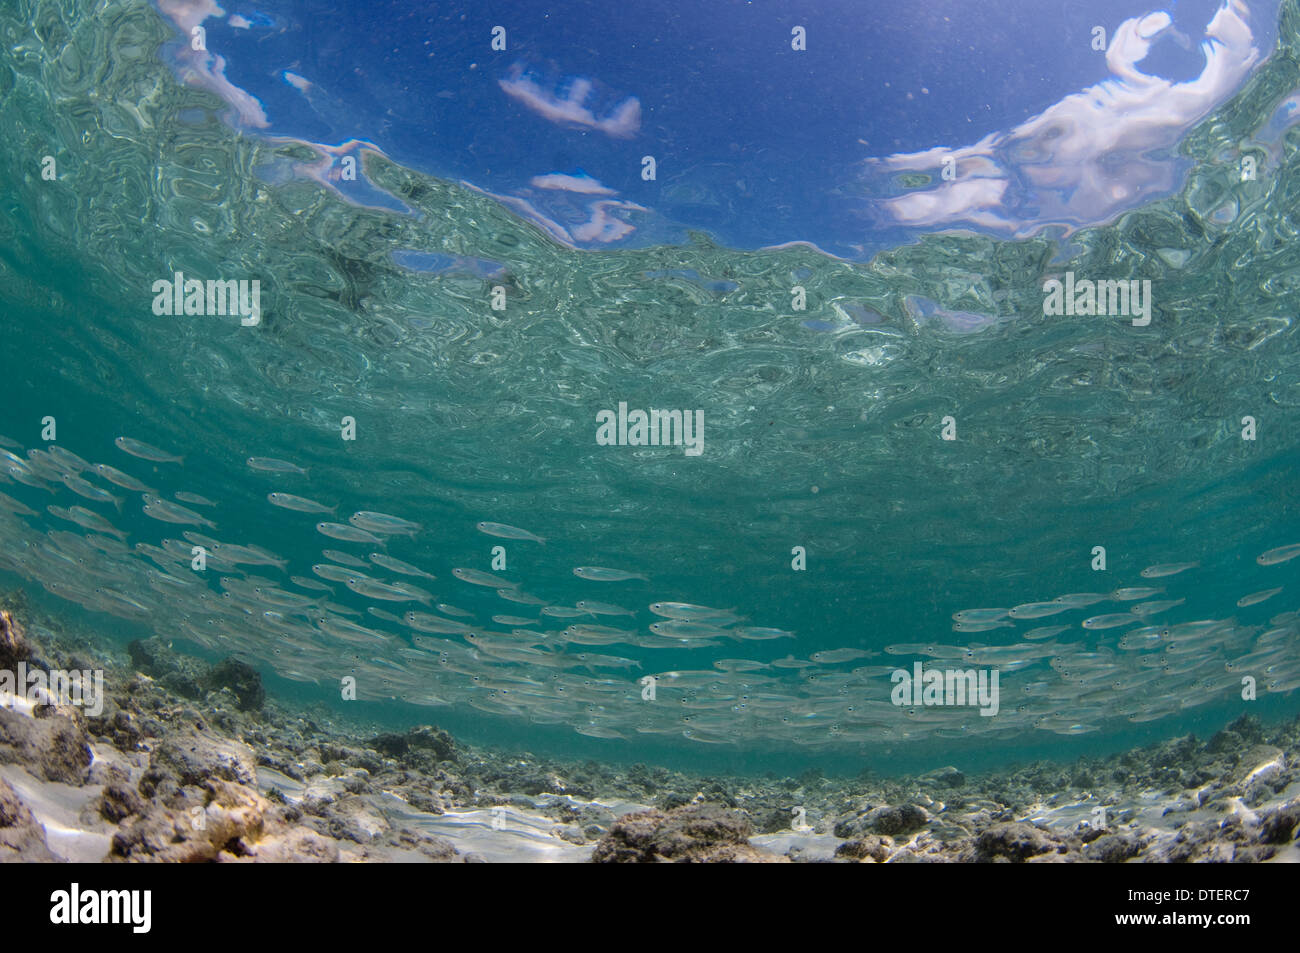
[697, 833]
[22, 838]
[55, 748]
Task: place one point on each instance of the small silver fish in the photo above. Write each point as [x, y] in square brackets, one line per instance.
[173, 512]
[505, 531]
[979, 615]
[1280, 555]
[69, 460]
[118, 478]
[602, 608]
[523, 598]
[144, 451]
[834, 656]
[347, 533]
[93, 521]
[562, 612]
[88, 490]
[1166, 569]
[374, 589]
[272, 465]
[1038, 610]
[1110, 621]
[693, 613]
[1045, 632]
[396, 565]
[1082, 599]
[512, 620]
[602, 574]
[1253, 598]
[480, 578]
[981, 626]
[759, 633]
[334, 573]
[299, 504]
[194, 498]
[383, 523]
[1136, 592]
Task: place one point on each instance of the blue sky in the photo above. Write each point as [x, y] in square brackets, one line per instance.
[754, 142]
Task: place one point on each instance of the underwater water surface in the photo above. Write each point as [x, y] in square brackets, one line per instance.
[420, 481]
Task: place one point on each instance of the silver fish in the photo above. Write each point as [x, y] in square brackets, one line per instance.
[145, 451]
[1136, 592]
[88, 490]
[383, 523]
[759, 633]
[602, 574]
[602, 608]
[1045, 632]
[1166, 569]
[980, 615]
[835, 656]
[523, 598]
[272, 465]
[173, 512]
[347, 533]
[299, 504]
[1038, 610]
[1145, 609]
[504, 531]
[193, 498]
[396, 565]
[512, 620]
[374, 589]
[118, 478]
[693, 613]
[1082, 599]
[69, 460]
[981, 626]
[93, 521]
[1280, 555]
[480, 578]
[334, 573]
[1256, 597]
[1111, 620]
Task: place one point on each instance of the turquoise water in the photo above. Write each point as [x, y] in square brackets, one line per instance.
[822, 430]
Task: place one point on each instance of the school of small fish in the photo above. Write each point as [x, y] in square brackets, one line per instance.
[379, 619]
